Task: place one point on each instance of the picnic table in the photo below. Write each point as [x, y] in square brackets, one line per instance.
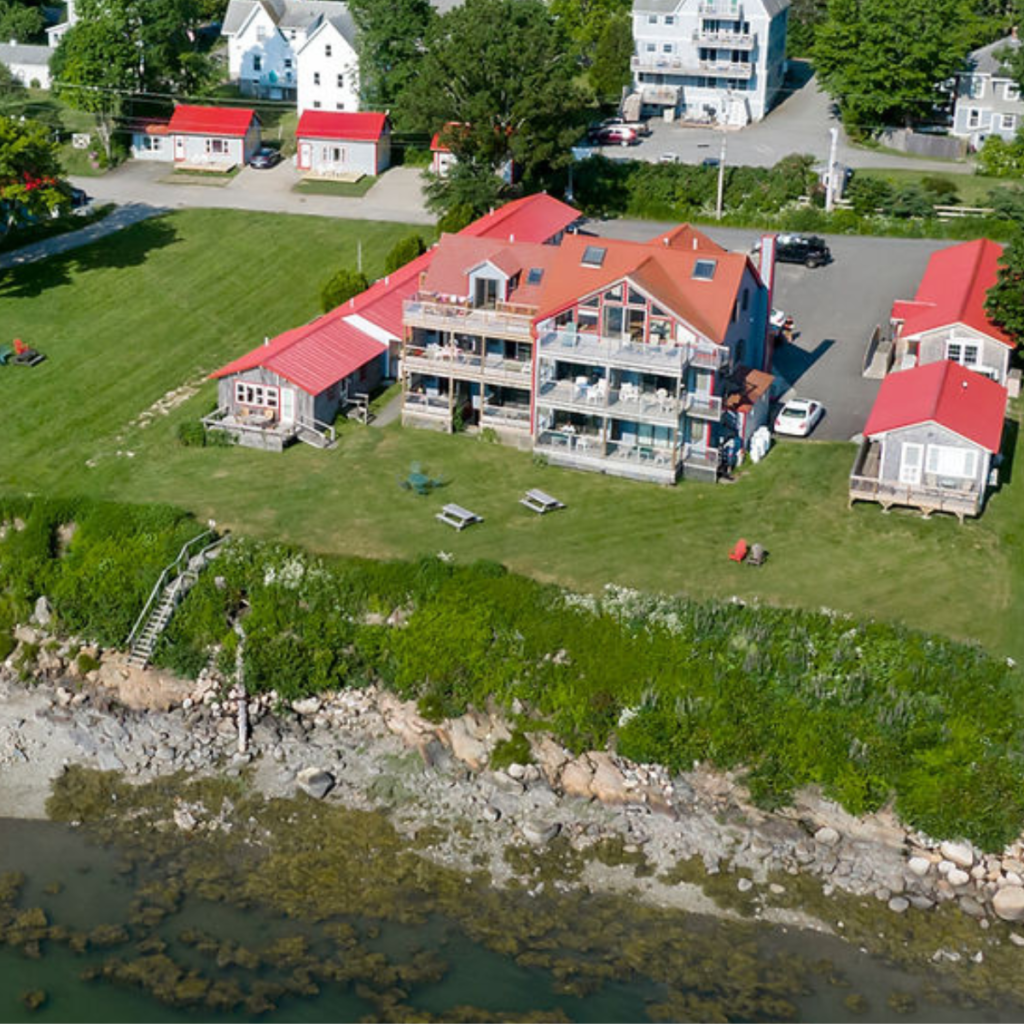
[538, 501]
[457, 516]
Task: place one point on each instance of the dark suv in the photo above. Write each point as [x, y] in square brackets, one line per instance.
[810, 250]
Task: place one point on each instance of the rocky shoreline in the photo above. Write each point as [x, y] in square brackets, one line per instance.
[64, 704]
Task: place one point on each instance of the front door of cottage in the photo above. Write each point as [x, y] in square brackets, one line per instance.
[287, 405]
[305, 151]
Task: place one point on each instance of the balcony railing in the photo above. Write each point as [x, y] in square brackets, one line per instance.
[431, 312]
[723, 37]
[429, 405]
[587, 451]
[448, 360]
[670, 359]
[958, 500]
[619, 403]
[720, 8]
[505, 416]
[701, 456]
[690, 64]
[701, 406]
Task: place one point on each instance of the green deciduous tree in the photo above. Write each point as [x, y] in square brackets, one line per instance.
[404, 251]
[498, 68]
[469, 185]
[584, 21]
[391, 34]
[30, 183]
[92, 69]
[610, 72]
[882, 60]
[341, 287]
[804, 18]
[19, 21]
[1005, 301]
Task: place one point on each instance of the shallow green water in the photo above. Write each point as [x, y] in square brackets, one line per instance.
[98, 886]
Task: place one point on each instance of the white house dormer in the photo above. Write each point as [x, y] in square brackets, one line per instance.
[329, 66]
[488, 285]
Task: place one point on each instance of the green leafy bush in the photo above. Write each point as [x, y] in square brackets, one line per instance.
[515, 750]
[404, 251]
[191, 434]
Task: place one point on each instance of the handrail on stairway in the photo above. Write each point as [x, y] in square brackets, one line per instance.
[165, 577]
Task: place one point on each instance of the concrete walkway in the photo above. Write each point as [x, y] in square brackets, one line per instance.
[396, 196]
[122, 217]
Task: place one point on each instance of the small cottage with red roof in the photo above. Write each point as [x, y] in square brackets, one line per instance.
[930, 440]
[291, 388]
[332, 145]
[946, 319]
[213, 138]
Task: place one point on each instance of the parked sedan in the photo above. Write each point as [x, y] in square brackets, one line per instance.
[617, 135]
[798, 417]
[264, 158]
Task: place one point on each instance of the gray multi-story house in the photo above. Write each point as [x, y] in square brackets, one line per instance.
[988, 100]
[709, 61]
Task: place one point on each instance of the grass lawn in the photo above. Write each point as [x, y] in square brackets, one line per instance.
[336, 188]
[161, 304]
[972, 189]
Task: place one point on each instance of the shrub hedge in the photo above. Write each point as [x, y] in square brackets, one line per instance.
[870, 711]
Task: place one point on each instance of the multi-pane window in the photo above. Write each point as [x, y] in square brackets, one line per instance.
[963, 352]
[945, 460]
[263, 396]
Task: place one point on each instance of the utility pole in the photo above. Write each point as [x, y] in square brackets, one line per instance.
[830, 184]
[721, 179]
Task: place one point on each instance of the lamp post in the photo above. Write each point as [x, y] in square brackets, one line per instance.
[830, 183]
[721, 180]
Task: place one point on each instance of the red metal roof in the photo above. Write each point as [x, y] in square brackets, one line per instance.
[327, 124]
[319, 354]
[952, 291]
[314, 356]
[946, 393]
[534, 218]
[189, 120]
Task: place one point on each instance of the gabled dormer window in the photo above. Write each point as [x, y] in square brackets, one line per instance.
[704, 270]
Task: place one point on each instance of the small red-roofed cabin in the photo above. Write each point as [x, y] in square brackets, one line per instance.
[292, 387]
[213, 138]
[946, 319]
[930, 440]
[332, 145]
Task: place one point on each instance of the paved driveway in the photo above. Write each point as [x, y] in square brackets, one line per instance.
[835, 309]
[799, 124]
[397, 196]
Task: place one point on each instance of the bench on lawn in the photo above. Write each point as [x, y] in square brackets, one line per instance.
[457, 516]
[538, 501]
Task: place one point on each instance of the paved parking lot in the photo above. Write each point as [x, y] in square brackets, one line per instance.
[835, 309]
[800, 123]
[396, 196]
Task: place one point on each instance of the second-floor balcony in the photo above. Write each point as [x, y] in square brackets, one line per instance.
[703, 406]
[690, 64]
[623, 403]
[731, 9]
[452, 361]
[724, 38]
[503, 319]
[669, 359]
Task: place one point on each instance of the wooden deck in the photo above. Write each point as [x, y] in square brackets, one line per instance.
[865, 485]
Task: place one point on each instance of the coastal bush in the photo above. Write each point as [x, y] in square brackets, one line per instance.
[871, 712]
[515, 750]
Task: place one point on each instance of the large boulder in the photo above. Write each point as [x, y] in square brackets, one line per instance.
[548, 755]
[316, 782]
[1008, 903]
[142, 689]
[466, 745]
[576, 778]
[608, 784]
[960, 854]
[403, 719]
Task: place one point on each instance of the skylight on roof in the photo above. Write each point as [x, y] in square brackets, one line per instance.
[704, 270]
[535, 275]
[593, 256]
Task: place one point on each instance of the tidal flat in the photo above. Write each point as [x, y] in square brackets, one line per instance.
[290, 909]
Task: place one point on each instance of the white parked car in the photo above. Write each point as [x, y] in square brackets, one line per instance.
[798, 417]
